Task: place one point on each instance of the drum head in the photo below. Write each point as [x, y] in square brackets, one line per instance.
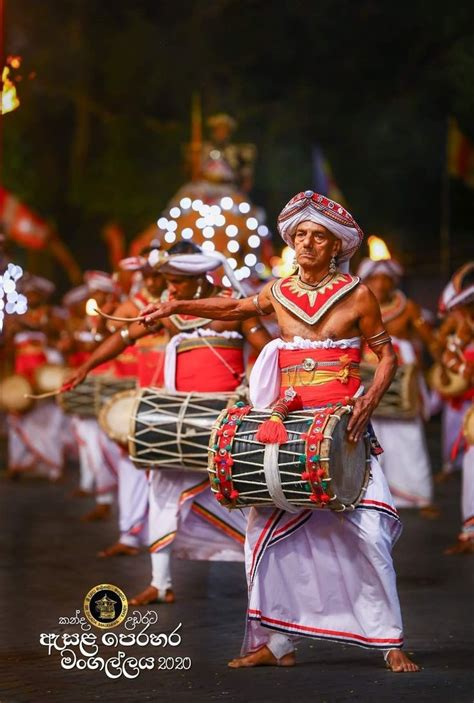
[468, 426]
[50, 377]
[115, 415]
[12, 394]
[348, 463]
[456, 385]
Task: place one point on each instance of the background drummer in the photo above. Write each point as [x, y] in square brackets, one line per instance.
[35, 437]
[202, 356]
[405, 460]
[145, 361]
[453, 388]
[317, 574]
[456, 342]
[97, 471]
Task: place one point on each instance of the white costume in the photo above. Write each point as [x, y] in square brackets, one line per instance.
[317, 573]
[405, 461]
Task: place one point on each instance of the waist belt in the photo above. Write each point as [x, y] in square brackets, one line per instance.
[206, 342]
[314, 373]
[29, 348]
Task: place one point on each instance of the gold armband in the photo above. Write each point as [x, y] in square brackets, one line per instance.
[378, 339]
[258, 306]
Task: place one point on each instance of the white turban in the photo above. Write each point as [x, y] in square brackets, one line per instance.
[193, 265]
[458, 291]
[317, 208]
[75, 295]
[99, 281]
[31, 282]
[132, 263]
[389, 267]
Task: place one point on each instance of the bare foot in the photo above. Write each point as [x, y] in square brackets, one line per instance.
[152, 595]
[462, 546]
[118, 550]
[102, 511]
[430, 512]
[398, 661]
[262, 657]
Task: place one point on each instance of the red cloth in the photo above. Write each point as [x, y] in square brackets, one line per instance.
[329, 392]
[126, 364]
[458, 401]
[150, 367]
[26, 363]
[199, 370]
[78, 358]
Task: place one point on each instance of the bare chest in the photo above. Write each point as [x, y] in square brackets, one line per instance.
[340, 322]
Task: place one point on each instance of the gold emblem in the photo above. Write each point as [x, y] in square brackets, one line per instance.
[299, 289]
[105, 606]
[309, 364]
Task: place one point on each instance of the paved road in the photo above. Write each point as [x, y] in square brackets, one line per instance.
[48, 565]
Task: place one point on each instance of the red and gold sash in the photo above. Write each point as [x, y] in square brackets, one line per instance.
[319, 376]
[310, 304]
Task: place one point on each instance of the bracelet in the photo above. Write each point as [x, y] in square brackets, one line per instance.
[374, 336]
[379, 342]
[255, 328]
[258, 306]
[125, 334]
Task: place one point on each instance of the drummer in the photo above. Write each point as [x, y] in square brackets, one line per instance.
[454, 407]
[317, 574]
[405, 460]
[184, 517]
[145, 361]
[98, 474]
[457, 338]
[34, 437]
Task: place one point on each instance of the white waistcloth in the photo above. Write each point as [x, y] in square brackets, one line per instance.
[265, 376]
[325, 575]
[172, 347]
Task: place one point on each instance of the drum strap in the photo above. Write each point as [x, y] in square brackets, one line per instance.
[237, 376]
[272, 477]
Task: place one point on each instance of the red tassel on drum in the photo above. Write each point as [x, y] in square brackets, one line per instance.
[273, 431]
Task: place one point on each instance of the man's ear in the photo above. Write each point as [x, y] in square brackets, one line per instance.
[337, 248]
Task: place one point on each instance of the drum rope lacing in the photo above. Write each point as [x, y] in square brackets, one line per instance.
[174, 447]
[314, 476]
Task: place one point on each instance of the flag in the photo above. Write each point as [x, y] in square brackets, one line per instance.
[21, 223]
[460, 155]
[323, 178]
[29, 230]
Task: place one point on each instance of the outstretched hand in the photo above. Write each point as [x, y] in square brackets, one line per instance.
[154, 311]
[74, 379]
[362, 409]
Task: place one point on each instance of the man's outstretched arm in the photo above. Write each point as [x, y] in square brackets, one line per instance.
[108, 350]
[229, 309]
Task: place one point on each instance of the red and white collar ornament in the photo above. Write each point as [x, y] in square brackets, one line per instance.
[309, 305]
